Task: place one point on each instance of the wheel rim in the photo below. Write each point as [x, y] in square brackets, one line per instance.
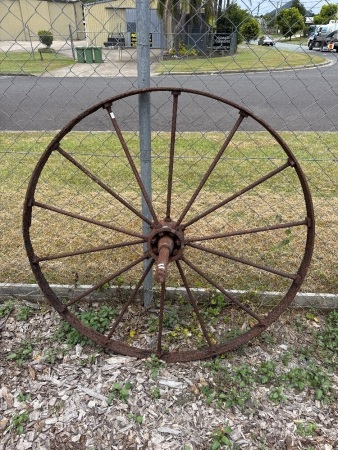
[203, 234]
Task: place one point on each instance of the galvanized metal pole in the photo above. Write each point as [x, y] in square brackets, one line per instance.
[143, 78]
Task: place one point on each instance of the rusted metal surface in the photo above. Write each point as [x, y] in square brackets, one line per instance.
[168, 240]
[165, 248]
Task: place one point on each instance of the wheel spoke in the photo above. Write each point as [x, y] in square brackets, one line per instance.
[131, 162]
[87, 219]
[248, 231]
[87, 251]
[102, 185]
[160, 324]
[242, 115]
[239, 193]
[130, 300]
[291, 276]
[224, 292]
[105, 281]
[172, 152]
[194, 304]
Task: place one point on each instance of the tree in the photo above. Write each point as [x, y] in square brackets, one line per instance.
[232, 19]
[250, 29]
[290, 21]
[301, 8]
[327, 13]
[269, 20]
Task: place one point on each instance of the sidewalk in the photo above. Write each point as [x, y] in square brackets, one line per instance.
[116, 62]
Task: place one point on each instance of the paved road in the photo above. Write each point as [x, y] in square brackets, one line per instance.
[288, 100]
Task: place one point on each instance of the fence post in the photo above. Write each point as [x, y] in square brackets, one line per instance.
[143, 78]
[30, 40]
[72, 41]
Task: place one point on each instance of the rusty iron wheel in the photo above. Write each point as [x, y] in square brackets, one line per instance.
[215, 217]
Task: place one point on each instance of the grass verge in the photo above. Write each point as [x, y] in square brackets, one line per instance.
[249, 57]
[25, 63]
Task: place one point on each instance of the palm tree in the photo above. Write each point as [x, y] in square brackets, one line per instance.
[174, 15]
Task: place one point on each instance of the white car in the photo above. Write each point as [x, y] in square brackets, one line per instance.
[266, 40]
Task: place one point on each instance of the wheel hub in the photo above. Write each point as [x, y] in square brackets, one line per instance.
[165, 244]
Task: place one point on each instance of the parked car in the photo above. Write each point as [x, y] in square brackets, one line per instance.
[266, 40]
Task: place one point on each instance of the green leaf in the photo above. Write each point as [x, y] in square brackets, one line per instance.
[319, 394]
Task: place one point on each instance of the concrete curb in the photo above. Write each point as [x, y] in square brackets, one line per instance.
[32, 292]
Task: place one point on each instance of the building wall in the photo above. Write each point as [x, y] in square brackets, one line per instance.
[35, 17]
[22, 19]
[11, 24]
[102, 19]
[113, 17]
[63, 15]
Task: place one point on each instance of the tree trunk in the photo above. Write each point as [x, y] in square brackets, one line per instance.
[178, 30]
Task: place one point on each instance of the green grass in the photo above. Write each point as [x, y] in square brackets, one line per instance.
[249, 57]
[251, 153]
[294, 40]
[297, 40]
[25, 63]
[20, 152]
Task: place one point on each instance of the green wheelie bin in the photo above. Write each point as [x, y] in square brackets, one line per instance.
[89, 55]
[80, 54]
[97, 51]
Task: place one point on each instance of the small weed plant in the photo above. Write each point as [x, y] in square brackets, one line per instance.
[155, 393]
[18, 422]
[221, 438]
[23, 397]
[24, 313]
[276, 395]
[216, 304]
[51, 355]
[136, 418]
[243, 376]
[98, 319]
[266, 372]
[22, 353]
[119, 391]
[216, 365]
[328, 338]
[6, 308]
[155, 365]
[306, 429]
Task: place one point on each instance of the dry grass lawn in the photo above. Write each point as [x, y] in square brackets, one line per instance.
[277, 200]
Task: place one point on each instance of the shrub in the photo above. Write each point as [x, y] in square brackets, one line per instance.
[250, 30]
[46, 37]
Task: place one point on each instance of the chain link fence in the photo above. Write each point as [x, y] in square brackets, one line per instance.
[210, 52]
